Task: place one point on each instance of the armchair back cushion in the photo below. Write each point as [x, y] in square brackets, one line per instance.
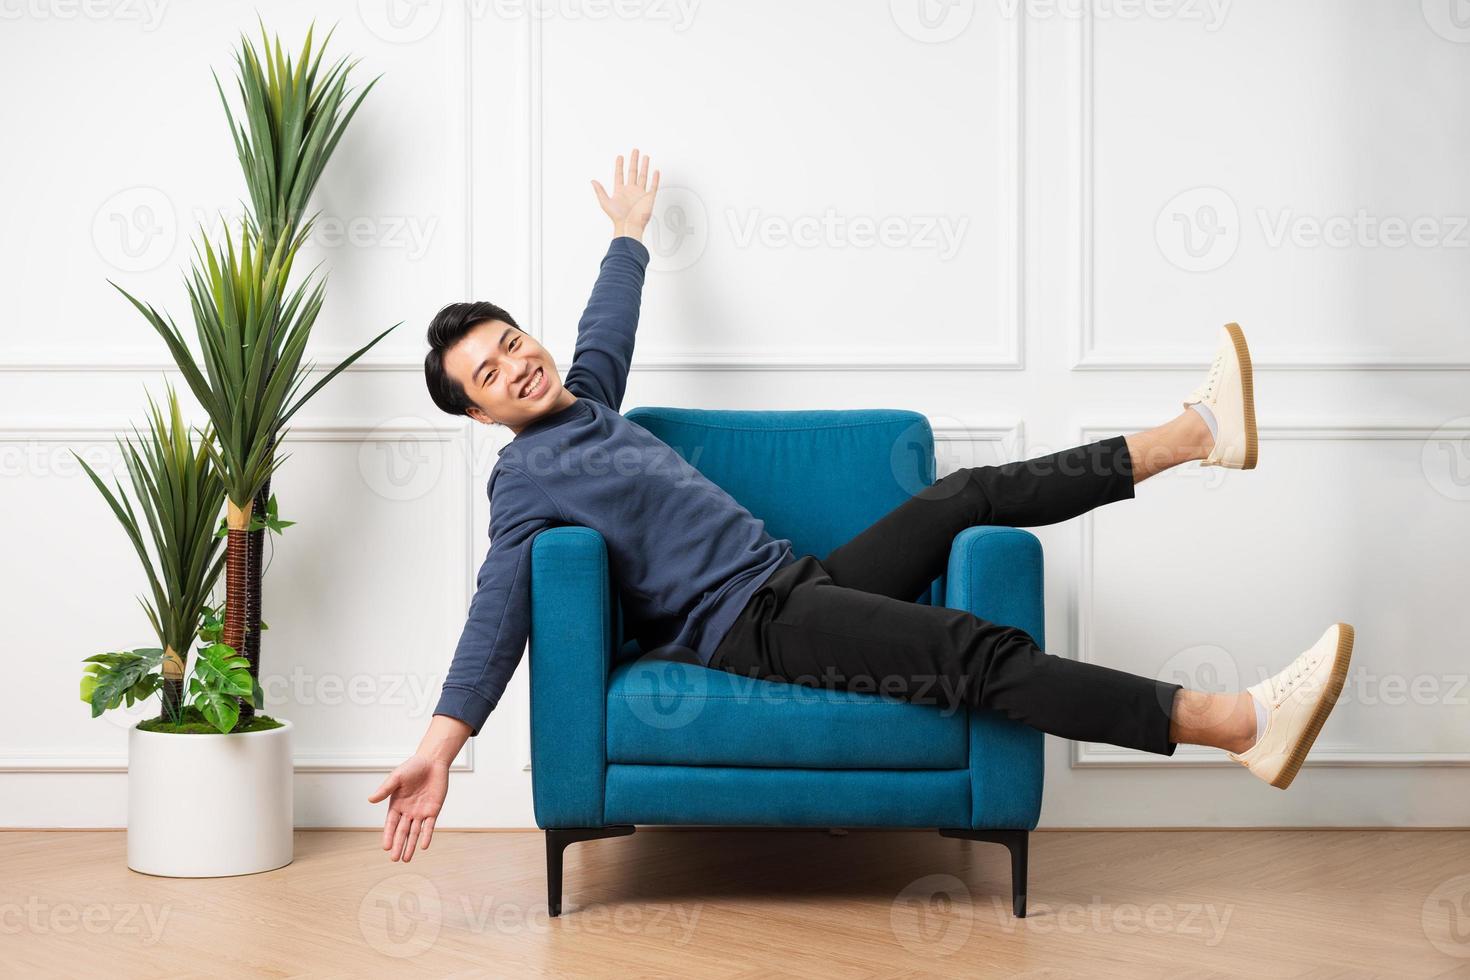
[816, 477]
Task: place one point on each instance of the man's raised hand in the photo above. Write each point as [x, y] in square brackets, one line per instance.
[630, 204]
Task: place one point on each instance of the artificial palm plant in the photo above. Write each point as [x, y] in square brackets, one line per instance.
[292, 115]
[252, 325]
[253, 328]
[179, 493]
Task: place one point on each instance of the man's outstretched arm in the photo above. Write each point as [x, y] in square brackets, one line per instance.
[609, 325]
[490, 647]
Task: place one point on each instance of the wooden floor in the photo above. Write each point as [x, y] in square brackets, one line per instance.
[675, 903]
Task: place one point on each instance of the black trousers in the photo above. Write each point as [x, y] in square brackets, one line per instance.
[850, 621]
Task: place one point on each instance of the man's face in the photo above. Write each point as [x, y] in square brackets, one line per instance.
[498, 365]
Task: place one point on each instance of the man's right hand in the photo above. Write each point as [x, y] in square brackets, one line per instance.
[418, 787]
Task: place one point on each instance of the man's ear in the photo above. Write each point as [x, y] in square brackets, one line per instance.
[478, 414]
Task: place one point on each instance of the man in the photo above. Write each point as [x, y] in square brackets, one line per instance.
[698, 573]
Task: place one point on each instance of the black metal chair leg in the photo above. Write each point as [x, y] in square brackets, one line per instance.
[557, 841]
[1016, 842]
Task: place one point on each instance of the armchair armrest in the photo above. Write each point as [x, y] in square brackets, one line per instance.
[573, 623]
[996, 574]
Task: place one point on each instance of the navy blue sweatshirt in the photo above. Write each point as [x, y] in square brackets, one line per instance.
[684, 555]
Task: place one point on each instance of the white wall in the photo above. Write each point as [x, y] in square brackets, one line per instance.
[1060, 212]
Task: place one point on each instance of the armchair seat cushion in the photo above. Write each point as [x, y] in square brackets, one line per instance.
[752, 796]
[669, 712]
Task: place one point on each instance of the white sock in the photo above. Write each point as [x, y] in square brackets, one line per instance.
[1209, 417]
[1260, 716]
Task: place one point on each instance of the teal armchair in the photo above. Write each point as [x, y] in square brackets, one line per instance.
[620, 738]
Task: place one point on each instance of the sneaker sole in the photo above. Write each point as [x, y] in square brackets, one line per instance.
[1248, 395]
[1299, 751]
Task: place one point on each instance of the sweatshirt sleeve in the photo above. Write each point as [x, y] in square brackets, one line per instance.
[499, 621]
[605, 335]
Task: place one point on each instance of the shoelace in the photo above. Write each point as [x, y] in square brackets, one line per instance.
[1282, 684]
[1216, 368]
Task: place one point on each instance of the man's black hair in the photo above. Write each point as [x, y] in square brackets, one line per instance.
[447, 329]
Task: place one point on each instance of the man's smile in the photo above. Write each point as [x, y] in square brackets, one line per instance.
[536, 385]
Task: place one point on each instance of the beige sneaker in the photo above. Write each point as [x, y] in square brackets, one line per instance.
[1298, 700]
[1229, 393]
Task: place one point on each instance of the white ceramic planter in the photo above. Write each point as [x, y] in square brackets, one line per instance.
[207, 806]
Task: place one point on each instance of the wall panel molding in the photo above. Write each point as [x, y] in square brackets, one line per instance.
[1009, 435]
[100, 430]
[54, 358]
[1010, 93]
[1092, 755]
[1087, 354]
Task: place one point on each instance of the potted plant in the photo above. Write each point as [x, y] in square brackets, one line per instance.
[174, 773]
[252, 327]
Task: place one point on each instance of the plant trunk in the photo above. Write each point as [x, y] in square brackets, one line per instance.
[172, 691]
[237, 548]
[254, 569]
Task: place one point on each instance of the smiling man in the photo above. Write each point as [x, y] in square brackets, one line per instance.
[698, 574]
[686, 555]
